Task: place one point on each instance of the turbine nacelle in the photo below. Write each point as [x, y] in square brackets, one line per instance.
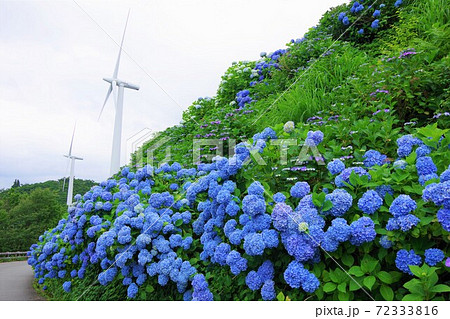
[122, 83]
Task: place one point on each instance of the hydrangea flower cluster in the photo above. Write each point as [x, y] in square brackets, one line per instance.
[314, 138]
[336, 166]
[433, 256]
[400, 208]
[405, 259]
[262, 279]
[370, 202]
[372, 158]
[439, 194]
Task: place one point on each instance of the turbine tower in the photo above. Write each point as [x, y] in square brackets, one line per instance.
[72, 159]
[118, 103]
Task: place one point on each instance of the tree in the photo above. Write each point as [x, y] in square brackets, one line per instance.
[24, 223]
[16, 184]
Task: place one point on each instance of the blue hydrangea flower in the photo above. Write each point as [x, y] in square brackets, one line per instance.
[232, 208]
[310, 283]
[406, 222]
[316, 137]
[268, 290]
[279, 198]
[405, 259]
[423, 150]
[341, 200]
[294, 274]
[221, 253]
[336, 166]
[425, 166]
[362, 231]
[253, 280]
[385, 242]
[201, 291]
[256, 188]
[236, 262]
[67, 286]
[254, 244]
[376, 13]
[300, 189]
[370, 202]
[280, 216]
[372, 158]
[382, 190]
[402, 205]
[339, 230]
[433, 256]
[445, 176]
[375, 23]
[405, 145]
[253, 205]
[443, 217]
[345, 21]
[270, 238]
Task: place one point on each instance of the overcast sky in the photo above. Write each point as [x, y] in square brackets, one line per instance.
[54, 54]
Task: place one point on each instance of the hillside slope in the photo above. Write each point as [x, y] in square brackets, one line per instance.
[339, 161]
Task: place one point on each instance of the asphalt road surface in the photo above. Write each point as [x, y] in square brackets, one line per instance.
[16, 281]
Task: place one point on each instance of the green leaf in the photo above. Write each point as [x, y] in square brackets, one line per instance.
[412, 297]
[343, 296]
[385, 277]
[368, 264]
[356, 271]
[389, 199]
[432, 280]
[342, 287]
[387, 293]
[327, 205]
[334, 277]
[280, 296]
[353, 286]
[179, 222]
[354, 179]
[369, 282]
[149, 289]
[415, 286]
[348, 260]
[329, 287]
[440, 288]
[416, 270]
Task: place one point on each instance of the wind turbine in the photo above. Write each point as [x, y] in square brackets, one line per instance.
[118, 103]
[72, 159]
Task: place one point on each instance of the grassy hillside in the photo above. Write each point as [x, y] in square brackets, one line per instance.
[339, 160]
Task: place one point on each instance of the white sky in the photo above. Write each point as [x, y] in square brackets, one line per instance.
[53, 58]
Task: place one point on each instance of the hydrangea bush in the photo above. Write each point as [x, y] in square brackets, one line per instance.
[372, 200]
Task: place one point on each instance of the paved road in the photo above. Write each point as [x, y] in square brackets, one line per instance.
[16, 281]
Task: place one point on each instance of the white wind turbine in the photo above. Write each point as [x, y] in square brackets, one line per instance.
[72, 159]
[118, 102]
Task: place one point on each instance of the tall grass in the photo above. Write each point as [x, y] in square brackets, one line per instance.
[313, 89]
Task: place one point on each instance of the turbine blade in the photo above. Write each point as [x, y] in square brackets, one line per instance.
[71, 142]
[116, 70]
[106, 100]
